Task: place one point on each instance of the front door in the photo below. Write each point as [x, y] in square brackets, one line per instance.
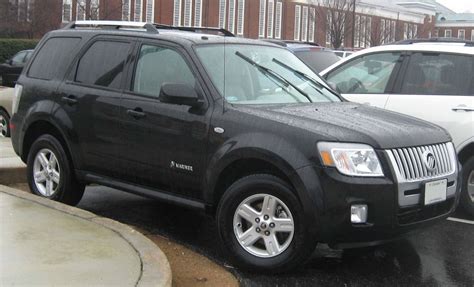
[163, 145]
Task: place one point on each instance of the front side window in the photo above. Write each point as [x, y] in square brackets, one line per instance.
[102, 64]
[366, 75]
[253, 74]
[438, 74]
[157, 65]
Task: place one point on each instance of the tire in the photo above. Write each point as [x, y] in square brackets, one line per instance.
[57, 174]
[467, 193]
[296, 246]
[4, 124]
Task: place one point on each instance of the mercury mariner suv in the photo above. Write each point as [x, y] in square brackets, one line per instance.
[238, 128]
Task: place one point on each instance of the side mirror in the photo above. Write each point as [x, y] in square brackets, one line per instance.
[9, 62]
[179, 94]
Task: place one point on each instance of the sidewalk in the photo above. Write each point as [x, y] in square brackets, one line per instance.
[12, 169]
[47, 243]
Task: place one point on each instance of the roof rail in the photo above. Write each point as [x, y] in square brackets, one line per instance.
[435, 40]
[195, 29]
[150, 28]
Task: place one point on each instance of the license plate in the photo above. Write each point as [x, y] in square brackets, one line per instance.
[435, 191]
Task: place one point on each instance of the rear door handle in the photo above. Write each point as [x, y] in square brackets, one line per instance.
[137, 113]
[463, 108]
[70, 100]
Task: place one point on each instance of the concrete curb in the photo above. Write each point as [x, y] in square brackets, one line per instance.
[155, 269]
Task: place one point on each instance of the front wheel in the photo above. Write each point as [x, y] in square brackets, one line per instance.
[50, 174]
[261, 224]
[467, 193]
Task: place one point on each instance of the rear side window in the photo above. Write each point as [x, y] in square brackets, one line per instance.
[102, 64]
[54, 58]
[438, 74]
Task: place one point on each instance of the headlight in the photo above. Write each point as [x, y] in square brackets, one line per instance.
[350, 159]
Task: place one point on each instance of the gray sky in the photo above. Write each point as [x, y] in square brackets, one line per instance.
[459, 6]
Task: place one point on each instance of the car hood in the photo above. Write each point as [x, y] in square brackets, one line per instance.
[351, 122]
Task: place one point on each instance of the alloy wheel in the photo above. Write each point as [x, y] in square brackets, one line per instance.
[263, 225]
[46, 172]
[3, 126]
[470, 185]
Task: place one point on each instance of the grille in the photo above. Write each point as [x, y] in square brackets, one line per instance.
[410, 163]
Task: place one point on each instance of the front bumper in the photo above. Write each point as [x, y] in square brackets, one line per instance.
[387, 219]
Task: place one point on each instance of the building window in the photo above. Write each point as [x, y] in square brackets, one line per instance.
[188, 15]
[261, 18]
[472, 35]
[222, 11]
[297, 31]
[383, 31]
[138, 10]
[357, 32]
[429, 35]
[405, 31]
[368, 36]
[271, 15]
[304, 29]
[198, 13]
[231, 21]
[393, 31]
[126, 10]
[415, 32]
[81, 10]
[328, 29]
[312, 24]
[448, 33]
[240, 17]
[278, 13]
[67, 11]
[176, 13]
[150, 11]
[462, 34]
[29, 6]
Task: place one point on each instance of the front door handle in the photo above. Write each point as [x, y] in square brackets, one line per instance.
[137, 113]
[463, 108]
[70, 100]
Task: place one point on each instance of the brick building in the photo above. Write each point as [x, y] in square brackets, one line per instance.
[374, 22]
[455, 26]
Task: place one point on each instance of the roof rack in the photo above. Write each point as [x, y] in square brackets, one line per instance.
[223, 31]
[435, 40]
[150, 28]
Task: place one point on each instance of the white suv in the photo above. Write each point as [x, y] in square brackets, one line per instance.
[428, 79]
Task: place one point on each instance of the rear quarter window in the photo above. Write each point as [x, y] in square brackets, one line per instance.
[54, 58]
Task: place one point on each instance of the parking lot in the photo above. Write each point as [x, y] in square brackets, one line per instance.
[440, 256]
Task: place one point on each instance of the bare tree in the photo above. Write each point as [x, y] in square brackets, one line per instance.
[339, 19]
[103, 9]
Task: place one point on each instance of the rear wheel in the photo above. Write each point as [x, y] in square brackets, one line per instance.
[467, 193]
[4, 124]
[50, 174]
[262, 226]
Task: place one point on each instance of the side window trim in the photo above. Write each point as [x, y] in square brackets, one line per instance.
[187, 59]
[398, 72]
[71, 78]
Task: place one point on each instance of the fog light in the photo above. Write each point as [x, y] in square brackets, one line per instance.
[359, 213]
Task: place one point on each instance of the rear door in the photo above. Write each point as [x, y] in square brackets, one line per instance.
[439, 88]
[367, 79]
[91, 99]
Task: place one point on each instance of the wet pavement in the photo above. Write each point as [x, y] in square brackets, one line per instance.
[440, 256]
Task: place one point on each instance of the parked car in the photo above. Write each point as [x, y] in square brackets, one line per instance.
[238, 128]
[428, 79]
[314, 56]
[11, 69]
[6, 96]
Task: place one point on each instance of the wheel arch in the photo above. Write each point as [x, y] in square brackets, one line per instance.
[466, 152]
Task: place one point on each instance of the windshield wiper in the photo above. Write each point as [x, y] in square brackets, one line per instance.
[302, 75]
[273, 74]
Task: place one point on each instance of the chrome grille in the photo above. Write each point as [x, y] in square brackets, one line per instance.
[410, 163]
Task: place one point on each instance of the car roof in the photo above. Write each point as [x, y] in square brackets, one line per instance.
[457, 48]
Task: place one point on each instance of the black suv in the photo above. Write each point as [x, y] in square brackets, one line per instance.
[238, 128]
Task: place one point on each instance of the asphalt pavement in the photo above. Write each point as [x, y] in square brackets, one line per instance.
[440, 256]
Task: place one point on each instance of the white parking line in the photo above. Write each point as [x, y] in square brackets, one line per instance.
[461, 220]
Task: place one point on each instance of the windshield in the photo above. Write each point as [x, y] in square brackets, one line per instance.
[251, 74]
[318, 60]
